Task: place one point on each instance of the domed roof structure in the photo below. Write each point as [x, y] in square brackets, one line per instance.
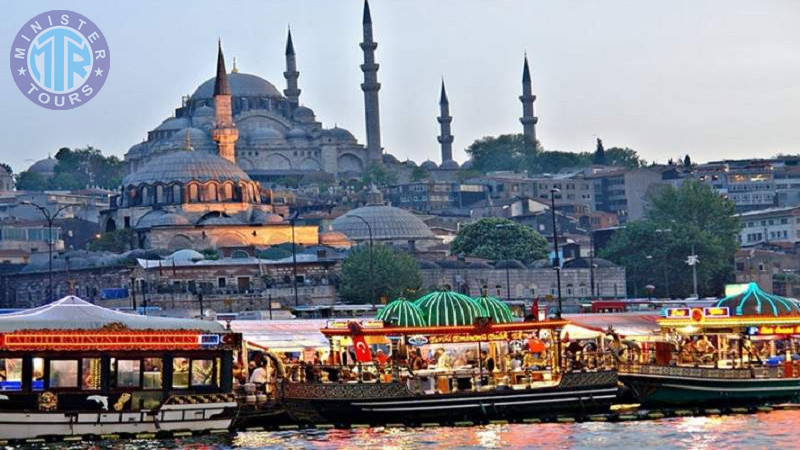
[467, 164]
[297, 133]
[387, 222]
[428, 165]
[184, 166]
[186, 255]
[219, 219]
[403, 313]
[755, 302]
[242, 85]
[448, 308]
[265, 217]
[261, 136]
[159, 218]
[498, 311]
[45, 166]
[203, 111]
[449, 165]
[339, 134]
[333, 238]
[173, 123]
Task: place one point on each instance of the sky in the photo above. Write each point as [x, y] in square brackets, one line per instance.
[715, 79]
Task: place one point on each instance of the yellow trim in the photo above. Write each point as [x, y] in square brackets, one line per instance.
[730, 321]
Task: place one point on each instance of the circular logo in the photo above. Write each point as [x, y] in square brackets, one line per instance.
[60, 59]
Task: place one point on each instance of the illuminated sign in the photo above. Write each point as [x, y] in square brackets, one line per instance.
[766, 330]
[344, 324]
[337, 324]
[732, 290]
[417, 340]
[466, 338]
[678, 313]
[716, 311]
[66, 340]
[208, 340]
[373, 323]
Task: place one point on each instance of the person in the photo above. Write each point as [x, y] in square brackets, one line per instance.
[259, 376]
[418, 362]
[516, 363]
[488, 361]
[443, 360]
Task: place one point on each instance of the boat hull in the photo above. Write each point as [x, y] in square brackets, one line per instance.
[577, 394]
[679, 387]
[190, 417]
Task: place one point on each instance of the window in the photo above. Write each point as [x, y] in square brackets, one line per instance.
[180, 373]
[128, 371]
[153, 368]
[38, 374]
[11, 374]
[221, 282]
[63, 374]
[90, 374]
[202, 372]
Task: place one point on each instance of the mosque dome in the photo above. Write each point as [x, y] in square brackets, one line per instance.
[186, 255]
[138, 150]
[303, 113]
[387, 223]
[428, 165]
[185, 166]
[161, 219]
[388, 158]
[204, 111]
[265, 217]
[242, 85]
[264, 135]
[198, 139]
[45, 166]
[173, 124]
[467, 164]
[219, 219]
[339, 134]
[334, 239]
[297, 133]
[449, 165]
[410, 163]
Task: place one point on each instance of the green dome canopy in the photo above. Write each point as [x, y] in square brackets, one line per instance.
[402, 312]
[755, 302]
[448, 308]
[498, 311]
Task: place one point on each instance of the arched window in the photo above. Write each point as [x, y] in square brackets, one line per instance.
[210, 193]
[193, 194]
[159, 194]
[569, 289]
[227, 194]
[176, 194]
[144, 197]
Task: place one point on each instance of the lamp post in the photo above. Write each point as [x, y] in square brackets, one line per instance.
[371, 279]
[50, 219]
[693, 260]
[556, 259]
[665, 262]
[292, 220]
[505, 255]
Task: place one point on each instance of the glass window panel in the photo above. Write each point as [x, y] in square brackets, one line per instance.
[90, 374]
[180, 373]
[153, 368]
[63, 374]
[37, 383]
[202, 372]
[128, 371]
[11, 374]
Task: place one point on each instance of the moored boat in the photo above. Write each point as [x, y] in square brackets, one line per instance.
[74, 368]
[454, 360]
[742, 350]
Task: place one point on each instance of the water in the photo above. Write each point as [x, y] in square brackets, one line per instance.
[775, 430]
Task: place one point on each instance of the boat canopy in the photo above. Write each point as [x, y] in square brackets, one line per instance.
[72, 313]
[498, 311]
[448, 308]
[752, 301]
[402, 312]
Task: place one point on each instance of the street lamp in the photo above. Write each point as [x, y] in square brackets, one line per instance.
[505, 254]
[50, 219]
[292, 220]
[665, 262]
[371, 280]
[556, 259]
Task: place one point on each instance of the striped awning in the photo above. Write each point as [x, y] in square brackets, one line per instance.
[448, 308]
[498, 311]
[402, 312]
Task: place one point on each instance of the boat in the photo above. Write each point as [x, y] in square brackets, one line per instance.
[373, 373]
[73, 368]
[742, 350]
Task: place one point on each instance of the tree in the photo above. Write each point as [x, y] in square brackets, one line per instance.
[419, 174]
[31, 181]
[687, 161]
[679, 220]
[7, 167]
[504, 152]
[117, 241]
[509, 240]
[626, 157]
[599, 153]
[378, 175]
[392, 273]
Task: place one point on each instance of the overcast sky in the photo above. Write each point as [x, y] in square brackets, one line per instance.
[716, 79]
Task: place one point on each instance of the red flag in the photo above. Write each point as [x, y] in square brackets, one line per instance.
[363, 354]
[535, 310]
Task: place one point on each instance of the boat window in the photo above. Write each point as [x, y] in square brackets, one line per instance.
[180, 373]
[63, 373]
[37, 383]
[153, 368]
[202, 372]
[90, 374]
[128, 371]
[11, 374]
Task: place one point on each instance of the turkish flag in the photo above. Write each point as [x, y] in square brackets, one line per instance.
[363, 354]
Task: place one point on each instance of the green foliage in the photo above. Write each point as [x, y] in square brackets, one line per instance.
[379, 176]
[77, 169]
[7, 167]
[484, 239]
[117, 241]
[210, 254]
[392, 274]
[419, 174]
[509, 152]
[599, 153]
[654, 251]
[31, 181]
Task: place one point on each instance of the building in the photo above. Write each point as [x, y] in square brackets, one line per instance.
[771, 225]
[575, 196]
[29, 237]
[775, 271]
[624, 191]
[6, 180]
[84, 204]
[434, 196]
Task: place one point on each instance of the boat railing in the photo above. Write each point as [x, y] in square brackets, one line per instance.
[704, 372]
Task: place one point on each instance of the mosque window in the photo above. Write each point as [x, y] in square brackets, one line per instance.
[193, 194]
[176, 194]
[211, 193]
[228, 192]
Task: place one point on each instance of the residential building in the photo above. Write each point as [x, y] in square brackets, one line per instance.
[769, 225]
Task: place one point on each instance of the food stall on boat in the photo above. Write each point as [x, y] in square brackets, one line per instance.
[74, 368]
[444, 357]
[742, 349]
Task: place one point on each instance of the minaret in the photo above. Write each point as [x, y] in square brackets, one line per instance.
[224, 132]
[527, 98]
[370, 86]
[445, 138]
[291, 92]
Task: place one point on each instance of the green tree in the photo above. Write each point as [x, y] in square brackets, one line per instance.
[599, 153]
[654, 251]
[117, 241]
[392, 273]
[31, 181]
[495, 238]
[379, 176]
[419, 174]
[504, 152]
[626, 157]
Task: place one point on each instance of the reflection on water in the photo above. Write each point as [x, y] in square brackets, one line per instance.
[775, 430]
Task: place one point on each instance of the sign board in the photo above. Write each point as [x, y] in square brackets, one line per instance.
[467, 338]
[714, 312]
[417, 340]
[768, 330]
[343, 324]
[77, 341]
[678, 313]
